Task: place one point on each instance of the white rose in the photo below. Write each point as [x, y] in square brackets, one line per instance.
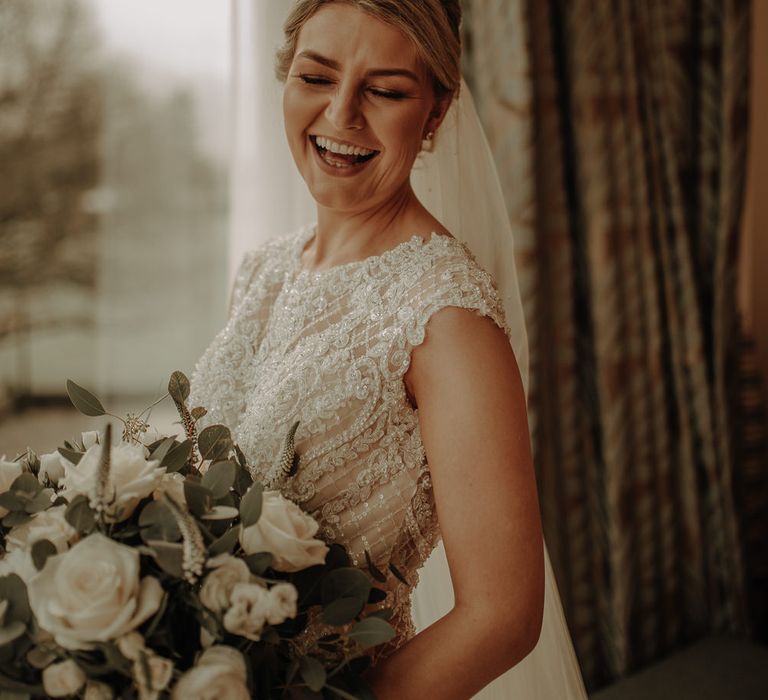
[48, 525]
[173, 485]
[18, 562]
[51, 466]
[92, 593]
[64, 678]
[131, 645]
[218, 583]
[90, 438]
[248, 612]
[160, 674]
[95, 690]
[284, 598]
[9, 471]
[220, 674]
[131, 477]
[285, 531]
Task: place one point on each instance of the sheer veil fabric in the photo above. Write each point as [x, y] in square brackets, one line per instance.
[458, 182]
[269, 198]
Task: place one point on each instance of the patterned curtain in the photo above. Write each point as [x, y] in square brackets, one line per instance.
[620, 129]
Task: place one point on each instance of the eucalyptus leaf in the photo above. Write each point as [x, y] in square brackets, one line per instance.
[80, 515]
[26, 484]
[220, 478]
[41, 550]
[14, 590]
[199, 498]
[15, 518]
[399, 575]
[71, 455]
[162, 449]
[250, 505]
[10, 501]
[346, 582]
[373, 570]
[226, 543]
[214, 442]
[313, 672]
[371, 631]
[158, 523]
[41, 502]
[169, 557]
[258, 563]
[177, 456]
[342, 611]
[10, 633]
[83, 400]
[198, 412]
[178, 387]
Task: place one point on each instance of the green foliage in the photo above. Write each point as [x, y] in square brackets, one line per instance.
[41, 550]
[215, 442]
[250, 506]
[84, 401]
[220, 478]
[178, 387]
[80, 515]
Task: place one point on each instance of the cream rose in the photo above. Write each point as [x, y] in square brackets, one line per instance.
[220, 674]
[96, 690]
[62, 679]
[92, 593]
[9, 471]
[160, 673]
[284, 598]
[18, 562]
[285, 531]
[51, 466]
[131, 477]
[46, 525]
[216, 590]
[248, 612]
[90, 438]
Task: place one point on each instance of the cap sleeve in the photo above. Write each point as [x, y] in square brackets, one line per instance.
[454, 279]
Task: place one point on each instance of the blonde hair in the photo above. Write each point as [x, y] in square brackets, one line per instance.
[432, 25]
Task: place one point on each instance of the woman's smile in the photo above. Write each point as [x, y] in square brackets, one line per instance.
[340, 158]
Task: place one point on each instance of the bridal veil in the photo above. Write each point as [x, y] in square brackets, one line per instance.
[457, 181]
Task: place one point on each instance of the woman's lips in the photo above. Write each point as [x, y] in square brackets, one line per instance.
[338, 164]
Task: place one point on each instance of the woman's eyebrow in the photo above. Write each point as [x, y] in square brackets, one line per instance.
[377, 72]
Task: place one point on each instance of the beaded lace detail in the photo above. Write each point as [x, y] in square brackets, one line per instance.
[330, 348]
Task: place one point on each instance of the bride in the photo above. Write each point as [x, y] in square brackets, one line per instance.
[392, 331]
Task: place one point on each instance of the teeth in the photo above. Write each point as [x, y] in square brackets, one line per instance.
[342, 149]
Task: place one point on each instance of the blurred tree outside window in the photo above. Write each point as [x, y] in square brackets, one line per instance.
[113, 202]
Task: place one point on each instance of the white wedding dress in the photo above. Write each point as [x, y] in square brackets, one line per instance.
[329, 349]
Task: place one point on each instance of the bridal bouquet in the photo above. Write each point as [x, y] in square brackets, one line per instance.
[151, 567]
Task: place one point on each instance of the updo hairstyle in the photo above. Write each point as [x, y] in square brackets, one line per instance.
[432, 25]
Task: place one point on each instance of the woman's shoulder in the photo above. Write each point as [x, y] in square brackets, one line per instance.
[272, 255]
[450, 268]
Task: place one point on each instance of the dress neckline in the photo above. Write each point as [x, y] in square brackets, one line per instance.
[415, 241]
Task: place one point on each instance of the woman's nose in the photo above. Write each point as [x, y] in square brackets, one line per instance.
[343, 110]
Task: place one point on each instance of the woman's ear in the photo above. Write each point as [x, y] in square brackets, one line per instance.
[437, 114]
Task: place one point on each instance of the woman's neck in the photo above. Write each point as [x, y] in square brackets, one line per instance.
[344, 237]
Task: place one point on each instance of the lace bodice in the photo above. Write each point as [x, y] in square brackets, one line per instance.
[329, 349]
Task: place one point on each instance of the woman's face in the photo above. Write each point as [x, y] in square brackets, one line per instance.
[355, 81]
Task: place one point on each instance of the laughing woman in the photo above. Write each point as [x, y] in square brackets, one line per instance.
[378, 329]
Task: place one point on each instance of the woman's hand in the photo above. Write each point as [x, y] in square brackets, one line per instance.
[474, 427]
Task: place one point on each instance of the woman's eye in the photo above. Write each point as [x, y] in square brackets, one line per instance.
[388, 94]
[314, 80]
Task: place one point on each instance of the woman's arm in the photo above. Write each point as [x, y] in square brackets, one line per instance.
[474, 427]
